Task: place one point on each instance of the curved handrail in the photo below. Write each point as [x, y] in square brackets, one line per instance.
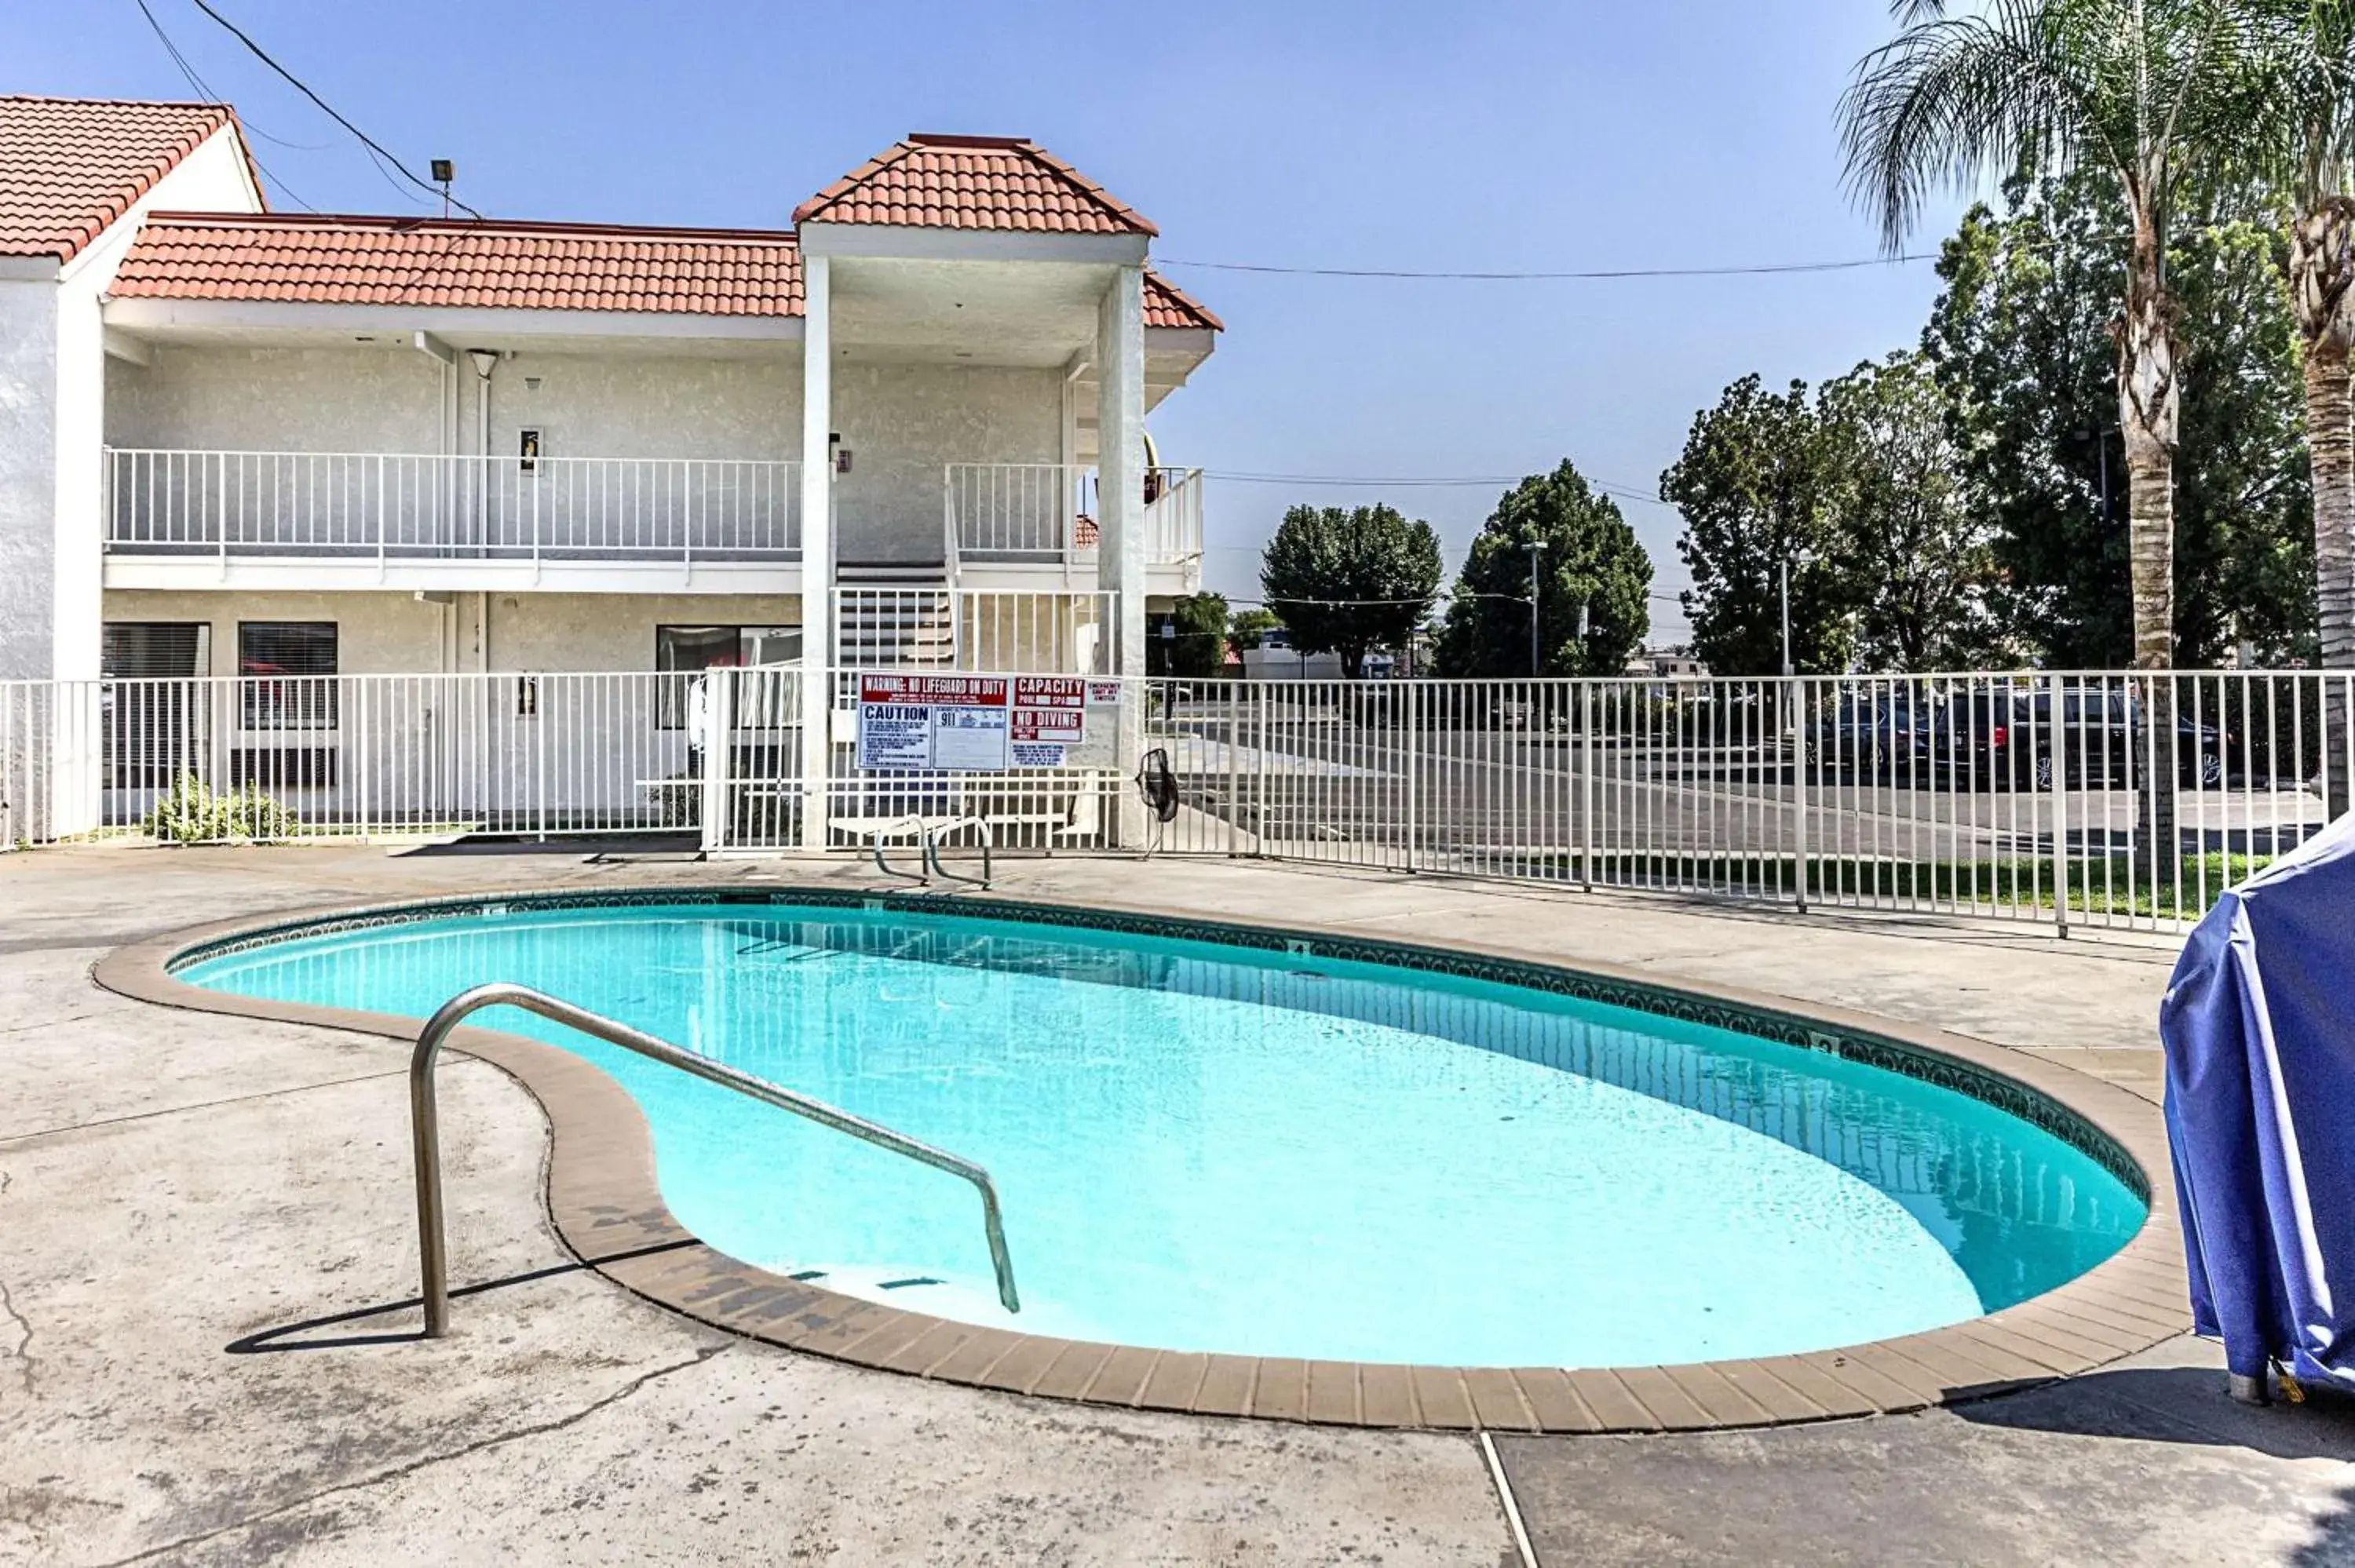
[933, 837]
[425, 1128]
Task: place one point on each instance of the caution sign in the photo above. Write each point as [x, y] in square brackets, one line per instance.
[948, 722]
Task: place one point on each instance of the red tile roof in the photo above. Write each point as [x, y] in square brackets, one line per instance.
[1168, 305]
[307, 258]
[462, 262]
[69, 167]
[973, 182]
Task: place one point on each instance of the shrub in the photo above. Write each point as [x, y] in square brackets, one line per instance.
[191, 812]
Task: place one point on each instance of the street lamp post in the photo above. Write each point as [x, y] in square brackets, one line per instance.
[1534, 547]
[1786, 615]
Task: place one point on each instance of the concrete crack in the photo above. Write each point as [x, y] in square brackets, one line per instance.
[14, 1138]
[23, 1353]
[399, 1472]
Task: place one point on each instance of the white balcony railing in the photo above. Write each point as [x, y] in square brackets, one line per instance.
[1016, 511]
[1173, 518]
[1044, 512]
[424, 506]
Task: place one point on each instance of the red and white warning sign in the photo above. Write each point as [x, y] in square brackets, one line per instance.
[1049, 711]
[949, 722]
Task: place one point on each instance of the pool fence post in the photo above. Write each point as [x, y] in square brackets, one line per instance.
[711, 731]
[1792, 709]
[1414, 759]
[1586, 785]
[1234, 766]
[2056, 746]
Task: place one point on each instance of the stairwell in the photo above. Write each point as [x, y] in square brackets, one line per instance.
[894, 615]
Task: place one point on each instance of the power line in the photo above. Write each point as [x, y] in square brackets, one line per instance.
[204, 90]
[370, 143]
[1446, 594]
[1422, 482]
[1746, 271]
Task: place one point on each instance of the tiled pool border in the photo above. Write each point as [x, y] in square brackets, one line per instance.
[604, 1200]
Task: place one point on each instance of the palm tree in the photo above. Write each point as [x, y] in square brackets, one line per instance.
[2144, 88]
[2305, 97]
[2140, 88]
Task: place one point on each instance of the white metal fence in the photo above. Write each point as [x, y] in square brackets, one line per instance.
[2076, 798]
[396, 505]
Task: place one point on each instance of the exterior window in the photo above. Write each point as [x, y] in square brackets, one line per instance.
[154, 650]
[287, 670]
[154, 717]
[685, 652]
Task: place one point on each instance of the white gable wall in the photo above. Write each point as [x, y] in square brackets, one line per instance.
[52, 424]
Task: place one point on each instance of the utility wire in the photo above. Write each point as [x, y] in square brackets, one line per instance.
[1417, 482]
[1756, 270]
[370, 143]
[1446, 594]
[204, 90]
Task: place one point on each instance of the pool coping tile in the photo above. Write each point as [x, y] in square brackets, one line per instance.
[605, 1202]
[1226, 1386]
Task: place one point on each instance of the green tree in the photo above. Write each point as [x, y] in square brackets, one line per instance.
[1916, 554]
[1757, 488]
[1589, 557]
[1347, 581]
[2017, 342]
[2142, 91]
[1247, 627]
[1195, 648]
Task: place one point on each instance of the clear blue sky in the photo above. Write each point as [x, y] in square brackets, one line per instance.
[1483, 137]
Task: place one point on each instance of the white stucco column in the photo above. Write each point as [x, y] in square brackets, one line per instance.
[1120, 460]
[28, 475]
[1119, 513]
[817, 547]
[77, 555]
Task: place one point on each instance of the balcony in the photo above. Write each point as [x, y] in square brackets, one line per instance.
[1017, 515]
[178, 519]
[356, 519]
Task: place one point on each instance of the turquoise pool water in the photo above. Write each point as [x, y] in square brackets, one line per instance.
[1202, 1146]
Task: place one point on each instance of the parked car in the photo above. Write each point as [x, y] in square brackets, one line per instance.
[1869, 733]
[2007, 739]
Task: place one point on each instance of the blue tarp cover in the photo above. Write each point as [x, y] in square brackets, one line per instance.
[2259, 1023]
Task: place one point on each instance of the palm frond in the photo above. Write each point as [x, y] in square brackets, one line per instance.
[1954, 101]
[2148, 88]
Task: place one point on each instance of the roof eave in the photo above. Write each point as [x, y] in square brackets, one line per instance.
[909, 241]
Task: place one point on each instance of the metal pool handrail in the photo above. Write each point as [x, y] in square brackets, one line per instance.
[425, 1128]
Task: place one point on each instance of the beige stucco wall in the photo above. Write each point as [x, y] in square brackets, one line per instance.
[277, 399]
[904, 424]
[394, 633]
[641, 406]
[389, 397]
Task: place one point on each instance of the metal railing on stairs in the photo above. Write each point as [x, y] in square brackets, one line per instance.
[425, 1127]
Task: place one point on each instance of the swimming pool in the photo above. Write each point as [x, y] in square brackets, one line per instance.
[1272, 1151]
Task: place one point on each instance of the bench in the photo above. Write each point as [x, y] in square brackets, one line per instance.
[1067, 805]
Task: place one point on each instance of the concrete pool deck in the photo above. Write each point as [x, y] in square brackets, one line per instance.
[205, 1231]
